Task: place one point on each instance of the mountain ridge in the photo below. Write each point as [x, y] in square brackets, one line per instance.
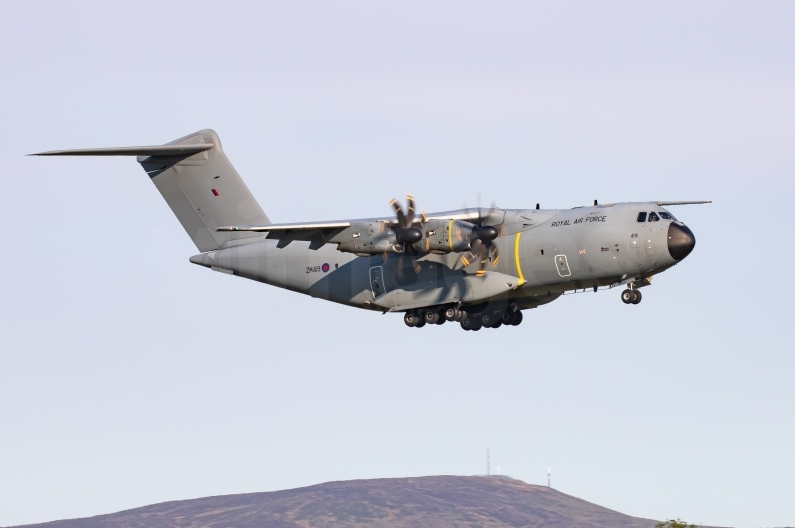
[428, 502]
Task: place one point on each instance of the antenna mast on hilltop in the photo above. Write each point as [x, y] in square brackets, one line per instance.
[488, 463]
[549, 477]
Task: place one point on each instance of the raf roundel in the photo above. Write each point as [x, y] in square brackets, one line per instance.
[325, 267]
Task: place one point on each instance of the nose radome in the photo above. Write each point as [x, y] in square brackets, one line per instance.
[681, 241]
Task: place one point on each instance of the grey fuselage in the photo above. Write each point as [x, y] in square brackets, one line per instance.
[543, 253]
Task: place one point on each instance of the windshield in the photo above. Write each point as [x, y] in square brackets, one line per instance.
[667, 216]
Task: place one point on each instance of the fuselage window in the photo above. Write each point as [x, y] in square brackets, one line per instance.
[653, 217]
[642, 217]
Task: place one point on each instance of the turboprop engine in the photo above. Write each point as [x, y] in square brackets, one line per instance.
[368, 238]
[445, 236]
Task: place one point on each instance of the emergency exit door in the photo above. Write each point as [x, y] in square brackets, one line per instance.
[649, 243]
[377, 281]
[562, 265]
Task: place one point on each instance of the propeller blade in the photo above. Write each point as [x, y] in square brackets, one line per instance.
[399, 212]
[484, 255]
[475, 247]
[410, 215]
[484, 260]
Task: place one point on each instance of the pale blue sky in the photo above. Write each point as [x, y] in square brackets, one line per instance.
[129, 376]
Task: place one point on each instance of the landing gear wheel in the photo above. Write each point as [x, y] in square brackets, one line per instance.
[420, 323]
[506, 317]
[497, 324]
[451, 314]
[466, 323]
[461, 315]
[477, 323]
[487, 320]
[636, 296]
[411, 319]
[627, 296]
[517, 319]
[432, 317]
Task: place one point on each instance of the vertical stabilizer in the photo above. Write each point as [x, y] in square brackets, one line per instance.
[199, 184]
[204, 190]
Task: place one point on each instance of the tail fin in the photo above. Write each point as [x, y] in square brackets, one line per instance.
[199, 184]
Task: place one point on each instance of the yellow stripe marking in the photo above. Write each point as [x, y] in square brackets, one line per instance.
[450, 234]
[518, 262]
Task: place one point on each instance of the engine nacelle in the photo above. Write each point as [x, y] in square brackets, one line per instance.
[445, 236]
[367, 238]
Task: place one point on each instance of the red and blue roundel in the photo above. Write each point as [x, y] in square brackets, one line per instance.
[325, 267]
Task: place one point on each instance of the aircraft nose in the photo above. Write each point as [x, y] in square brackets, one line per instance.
[681, 241]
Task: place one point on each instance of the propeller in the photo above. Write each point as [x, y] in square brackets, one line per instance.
[406, 234]
[481, 243]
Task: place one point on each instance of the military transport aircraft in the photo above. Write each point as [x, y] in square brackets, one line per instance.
[479, 268]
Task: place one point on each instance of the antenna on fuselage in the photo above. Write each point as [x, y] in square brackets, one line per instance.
[595, 202]
[538, 206]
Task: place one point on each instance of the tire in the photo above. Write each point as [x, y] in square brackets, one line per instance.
[451, 313]
[506, 317]
[487, 320]
[441, 321]
[420, 323]
[410, 318]
[477, 324]
[497, 324]
[636, 296]
[519, 318]
[431, 317]
[466, 323]
[461, 315]
[627, 296]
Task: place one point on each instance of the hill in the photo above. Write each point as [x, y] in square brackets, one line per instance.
[429, 502]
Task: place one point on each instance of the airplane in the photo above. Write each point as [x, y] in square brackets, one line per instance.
[479, 268]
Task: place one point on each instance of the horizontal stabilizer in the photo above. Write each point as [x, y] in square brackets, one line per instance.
[663, 204]
[158, 150]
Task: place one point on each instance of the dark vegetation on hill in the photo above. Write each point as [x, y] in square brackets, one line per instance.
[430, 502]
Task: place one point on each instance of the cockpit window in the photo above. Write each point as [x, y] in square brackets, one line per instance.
[642, 216]
[667, 216]
[653, 217]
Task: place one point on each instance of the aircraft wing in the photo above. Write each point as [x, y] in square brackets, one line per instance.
[316, 226]
[663, 204]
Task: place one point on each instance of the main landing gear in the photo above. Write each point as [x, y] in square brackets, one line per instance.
[468, 321]
[631, 296]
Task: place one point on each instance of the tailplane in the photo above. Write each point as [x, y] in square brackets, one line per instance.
[198, 182]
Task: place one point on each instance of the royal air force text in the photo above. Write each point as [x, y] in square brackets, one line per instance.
[586, 220]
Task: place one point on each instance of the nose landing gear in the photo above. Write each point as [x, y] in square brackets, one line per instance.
[631, 296]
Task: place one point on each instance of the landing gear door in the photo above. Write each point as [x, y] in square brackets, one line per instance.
[377, 281]
[562, 265]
